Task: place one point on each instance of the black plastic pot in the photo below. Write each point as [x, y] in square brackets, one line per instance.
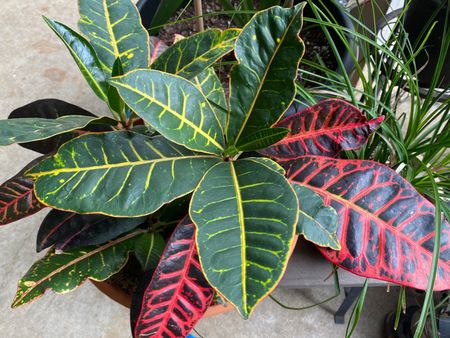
[148, 8]
[417, 20]
[339, 13]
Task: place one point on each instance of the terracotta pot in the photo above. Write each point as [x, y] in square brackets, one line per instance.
[121, 297]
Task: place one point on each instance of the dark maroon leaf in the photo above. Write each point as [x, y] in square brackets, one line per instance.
[386, 228]
[323, 129]
[178, 293]
[52, 109]
[67, 230]
[17, 199]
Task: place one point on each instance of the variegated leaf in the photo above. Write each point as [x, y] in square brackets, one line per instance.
[190, 56]
[386, 228]
[178, 294]
[245, 212]
[157, 47]
[209, 84]
[262, 84]
[174, 107]
[17, 199]
[65, 271]
[115, 30]
[118, 174]
[324, 129]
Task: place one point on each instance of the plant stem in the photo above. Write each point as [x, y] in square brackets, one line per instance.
[289, 3]
[199, 12]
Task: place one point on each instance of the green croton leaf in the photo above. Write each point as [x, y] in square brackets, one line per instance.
[245, 213]
[64, 272]
[190, 56]
[115, 102]
[85, 57]
[115, 30]
[120, 174]
[262, 84]
[262, 139]
[33, 129]
[209, 84]
[148, 250]
[317, 223]
[174, 107]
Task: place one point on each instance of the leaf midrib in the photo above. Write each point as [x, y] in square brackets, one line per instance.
[116, 165]
[311, 133]
[269, 65]
[173, 112]
[110, 29]
[242, 237]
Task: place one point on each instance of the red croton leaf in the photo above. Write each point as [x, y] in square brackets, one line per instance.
[178, 294]
[386, 228]
[323, 129]
[157, 47]
[17, 199]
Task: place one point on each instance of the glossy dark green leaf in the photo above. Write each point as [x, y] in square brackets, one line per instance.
[148, 250]
[52, 109]
[68, 230]
[245, 212]
[115, 30]
[65, 271]
[115, 102]
[174, 107]
[190, 56]
[118, 174]
[85, 57]
[34, 129]
[317, 222]
[262, 139]
[164, 12]
[262, 84]
[209, 84]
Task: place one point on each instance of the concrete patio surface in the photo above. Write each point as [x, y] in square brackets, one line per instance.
[35, 64]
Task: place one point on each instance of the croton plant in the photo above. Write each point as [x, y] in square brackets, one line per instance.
[206, 191]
